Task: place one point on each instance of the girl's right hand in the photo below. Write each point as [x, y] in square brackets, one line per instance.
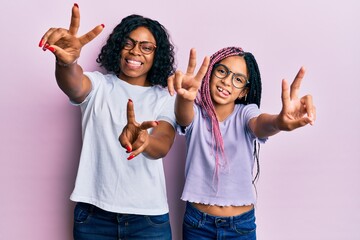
[187, 85]
[64, 43]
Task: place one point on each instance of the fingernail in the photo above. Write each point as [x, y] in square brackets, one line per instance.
[130, 157]
[76, 5]
[157, 123]
[45, 47]
[103, 25]
[130, 100]
[41, 43]
[51, 49]
[128, 148]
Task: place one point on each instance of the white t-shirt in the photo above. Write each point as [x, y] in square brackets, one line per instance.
[105, 177]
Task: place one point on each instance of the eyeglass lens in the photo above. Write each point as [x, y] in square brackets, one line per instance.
[145, 47]
[238, 80]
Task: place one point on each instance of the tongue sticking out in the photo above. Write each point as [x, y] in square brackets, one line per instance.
[223, 92]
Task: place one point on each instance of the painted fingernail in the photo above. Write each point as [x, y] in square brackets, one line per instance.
[41, 43]
[76, 5]
[130, 157]
[157, 123]
[103, 25]
[51, 49]
[130, 100]
[128, 148]
[45, 47]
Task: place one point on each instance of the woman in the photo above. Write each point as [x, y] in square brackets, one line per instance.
[118, 198]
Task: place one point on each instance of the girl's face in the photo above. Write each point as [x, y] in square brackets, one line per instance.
[222, 91]
[134, 63]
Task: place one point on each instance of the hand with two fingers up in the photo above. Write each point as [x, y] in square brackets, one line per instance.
[135, 137]
[296, 112]
[187, 85]
[64, 43]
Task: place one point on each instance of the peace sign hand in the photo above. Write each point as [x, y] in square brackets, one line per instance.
[64, 43]
[295, 112]
[187, 85]
[134, 137]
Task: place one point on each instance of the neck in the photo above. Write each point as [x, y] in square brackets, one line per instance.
[223, 111]
[138, 81]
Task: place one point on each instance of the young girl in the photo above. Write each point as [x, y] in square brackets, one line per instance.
[118, 198]
[222, 123]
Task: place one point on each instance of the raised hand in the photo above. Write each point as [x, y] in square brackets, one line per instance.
[134, 137]
[64, 43]
[296, 112]
[186, 85]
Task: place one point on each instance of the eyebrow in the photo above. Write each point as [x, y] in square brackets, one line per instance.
[140, 41]
[242, 74]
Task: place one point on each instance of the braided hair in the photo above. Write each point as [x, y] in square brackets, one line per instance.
[164, 60]
[204, 99]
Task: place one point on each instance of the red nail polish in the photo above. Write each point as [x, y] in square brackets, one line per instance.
[103, 25]
[128, 148]
[51, 49]
[45, 47]
[157, 123]
[41, 43]
[76, 5]
[130, 157]
[130, 100]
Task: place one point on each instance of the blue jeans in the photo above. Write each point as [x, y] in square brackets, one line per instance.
[198, 225]
[93, 223]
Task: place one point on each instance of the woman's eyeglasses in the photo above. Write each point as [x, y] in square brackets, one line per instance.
[144, 46]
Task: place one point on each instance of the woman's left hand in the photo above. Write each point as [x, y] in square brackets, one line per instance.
[135, 137]
[296, 112]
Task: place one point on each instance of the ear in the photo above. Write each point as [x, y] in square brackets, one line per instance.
[243, 93]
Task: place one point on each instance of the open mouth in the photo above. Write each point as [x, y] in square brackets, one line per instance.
[133, 63]
[223, 92]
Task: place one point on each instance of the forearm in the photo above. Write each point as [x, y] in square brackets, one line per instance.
[160, 142]
[71, 80]
[266, 125]
[158, 147]
[184, 111]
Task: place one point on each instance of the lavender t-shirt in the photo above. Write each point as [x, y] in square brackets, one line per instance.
[232, 186]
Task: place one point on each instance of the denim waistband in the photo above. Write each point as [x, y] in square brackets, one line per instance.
[94, 209]
[220, 221]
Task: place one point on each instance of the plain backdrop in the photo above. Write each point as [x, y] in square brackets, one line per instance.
[309, 182]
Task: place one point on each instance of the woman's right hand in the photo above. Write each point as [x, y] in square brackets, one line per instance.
[64, 43]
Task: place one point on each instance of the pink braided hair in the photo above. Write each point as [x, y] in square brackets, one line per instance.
[203, 99]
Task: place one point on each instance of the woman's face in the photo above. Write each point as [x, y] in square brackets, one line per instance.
[222, 91]
[134, 64]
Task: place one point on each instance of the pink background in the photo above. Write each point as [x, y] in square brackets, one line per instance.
[309, 183]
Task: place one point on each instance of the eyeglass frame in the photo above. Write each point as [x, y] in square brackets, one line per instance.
[228, 73]
[135, 42]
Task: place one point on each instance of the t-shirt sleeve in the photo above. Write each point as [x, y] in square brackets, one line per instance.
[167, 113]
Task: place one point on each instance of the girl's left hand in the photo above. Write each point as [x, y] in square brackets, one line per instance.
[135, 137]
[296, 112]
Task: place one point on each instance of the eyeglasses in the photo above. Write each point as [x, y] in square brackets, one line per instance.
[144, 46]
[238, 80]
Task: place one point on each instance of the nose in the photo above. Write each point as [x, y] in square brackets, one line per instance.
[136, 49]
[227, 80]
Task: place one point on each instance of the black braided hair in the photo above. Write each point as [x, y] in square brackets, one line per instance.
[164, 60]
[254, 94]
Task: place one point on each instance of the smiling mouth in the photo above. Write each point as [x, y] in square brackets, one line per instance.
[134, 63]
[223, 91]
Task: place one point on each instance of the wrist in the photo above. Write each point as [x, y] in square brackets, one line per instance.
[62, 64]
